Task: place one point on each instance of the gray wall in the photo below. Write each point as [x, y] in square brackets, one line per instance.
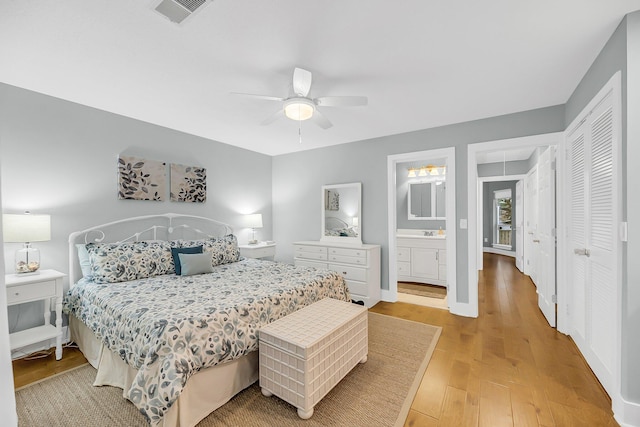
[60, 158]
[487, 207]
[402, 213]
[298, 177]
[622, 53]
[7, 394]
[631, 290]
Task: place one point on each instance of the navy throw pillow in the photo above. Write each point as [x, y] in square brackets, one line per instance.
[176, 258]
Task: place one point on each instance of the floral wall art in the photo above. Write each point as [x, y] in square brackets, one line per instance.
[188, 183]
[141, 179]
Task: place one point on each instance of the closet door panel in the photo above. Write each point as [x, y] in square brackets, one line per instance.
[577, 235]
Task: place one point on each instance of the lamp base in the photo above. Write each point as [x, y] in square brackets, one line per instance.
[30, 273]
[27, 259]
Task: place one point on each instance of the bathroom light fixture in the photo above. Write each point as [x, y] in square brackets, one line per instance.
[26, 228]
[428, 170]
[299, 109]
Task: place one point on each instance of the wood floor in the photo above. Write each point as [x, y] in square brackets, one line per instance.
[505, 368]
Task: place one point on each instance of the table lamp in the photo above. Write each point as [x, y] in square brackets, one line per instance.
[26, 228]
[253, 221]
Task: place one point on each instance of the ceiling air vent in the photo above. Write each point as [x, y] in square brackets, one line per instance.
[179, 10]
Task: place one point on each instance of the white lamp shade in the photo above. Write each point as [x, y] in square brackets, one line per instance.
[253, 221]
[21, 228]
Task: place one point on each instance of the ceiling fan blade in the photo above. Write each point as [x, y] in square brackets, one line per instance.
[319, 119]
[264, 97]
[341, 101]
[301, 82]
[273, 117]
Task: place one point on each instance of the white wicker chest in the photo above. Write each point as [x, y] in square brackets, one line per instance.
[305, 354]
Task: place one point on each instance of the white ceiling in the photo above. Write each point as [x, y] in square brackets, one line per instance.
[421, 63]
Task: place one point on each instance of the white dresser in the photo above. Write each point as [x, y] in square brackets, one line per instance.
[359, 265]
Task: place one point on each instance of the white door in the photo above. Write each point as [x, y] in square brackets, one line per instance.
[518, 230]
[593, 180]
[530, 222]
[545, 243]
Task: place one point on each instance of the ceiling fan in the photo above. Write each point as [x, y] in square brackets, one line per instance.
[301, 107]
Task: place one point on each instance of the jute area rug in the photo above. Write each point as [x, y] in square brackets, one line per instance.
[376, 393]
[422, 290]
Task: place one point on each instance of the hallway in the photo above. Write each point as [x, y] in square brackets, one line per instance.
[505, 368]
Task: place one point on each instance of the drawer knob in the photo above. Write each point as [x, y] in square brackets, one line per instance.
[17, 293]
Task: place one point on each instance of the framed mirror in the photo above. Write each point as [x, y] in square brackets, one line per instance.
[341, 213]
[427, 200]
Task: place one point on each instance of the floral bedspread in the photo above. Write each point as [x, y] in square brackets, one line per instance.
[169, 327]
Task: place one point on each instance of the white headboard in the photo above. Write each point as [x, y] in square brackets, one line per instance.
[167, 226]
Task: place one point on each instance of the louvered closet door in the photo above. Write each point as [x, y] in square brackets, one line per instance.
[592, 241]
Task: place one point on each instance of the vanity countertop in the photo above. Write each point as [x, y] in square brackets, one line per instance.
[420, 234]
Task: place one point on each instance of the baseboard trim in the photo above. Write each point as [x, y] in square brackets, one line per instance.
[626, 413]
[497, 251]
[385, 295]
[459, 309]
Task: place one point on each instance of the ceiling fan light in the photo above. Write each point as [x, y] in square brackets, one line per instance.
[298, 110]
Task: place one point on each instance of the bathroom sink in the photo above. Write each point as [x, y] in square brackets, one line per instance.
[418, 236]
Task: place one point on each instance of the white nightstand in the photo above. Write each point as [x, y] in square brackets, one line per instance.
[259, 250]
[36, 287]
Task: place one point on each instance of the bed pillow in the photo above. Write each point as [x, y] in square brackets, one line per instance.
[83, 259]
[223, 250]
[120, 262]
[188, 250]
[195, 264]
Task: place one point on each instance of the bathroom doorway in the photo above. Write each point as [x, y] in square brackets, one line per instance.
[422, 228]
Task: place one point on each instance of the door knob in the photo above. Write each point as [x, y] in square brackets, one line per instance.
[584, 252]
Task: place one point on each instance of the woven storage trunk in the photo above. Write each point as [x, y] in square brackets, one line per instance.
[304, 355]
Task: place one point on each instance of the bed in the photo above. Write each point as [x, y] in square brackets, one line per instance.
[334, 226]
[180, 346]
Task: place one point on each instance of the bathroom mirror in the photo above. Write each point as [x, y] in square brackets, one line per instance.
[427, 200]
[341, 213]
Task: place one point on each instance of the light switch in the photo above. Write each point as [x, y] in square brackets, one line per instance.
[463, 224]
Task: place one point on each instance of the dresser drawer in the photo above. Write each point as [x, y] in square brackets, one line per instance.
[311, 252]
[357, 288]
[348, 259]
[348, 252]
[404, 254]
[348, 272]
[311, 256]
[31, 292]
[307, 263]
[310, 249]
